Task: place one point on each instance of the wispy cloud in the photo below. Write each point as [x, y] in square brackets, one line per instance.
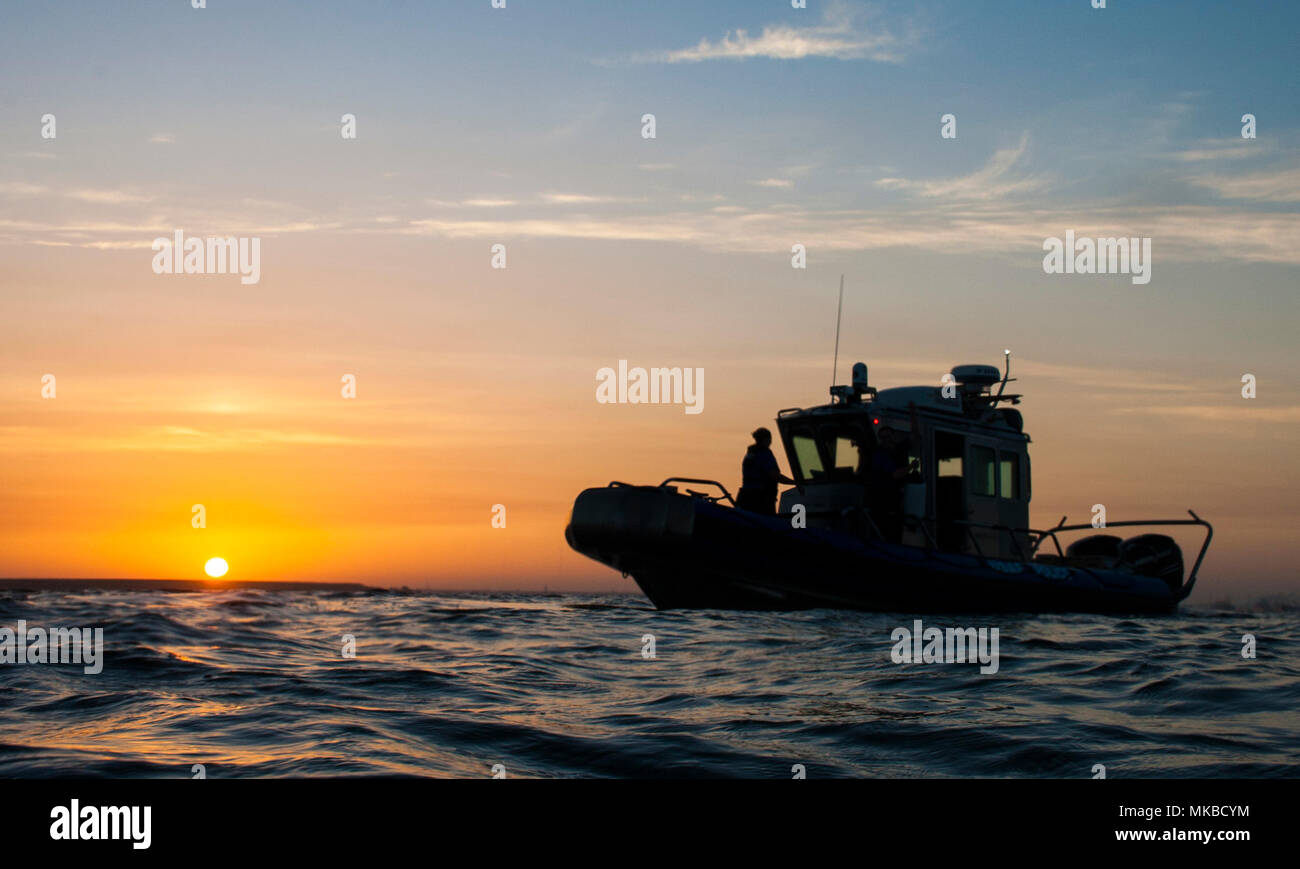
[549, 198]
[168, 438]
[1236, 413]
[476, 202]
[1277, 186]
[996, 180]
[983, 212]
[127, 235]
[841, 35]
[1164, 120]
[490, 203]
[162, 139]
[108, 197]
[137, 244]
[577, 199]
[20, 188]
[1190, 233]
[1108, 380]
[1223, 149]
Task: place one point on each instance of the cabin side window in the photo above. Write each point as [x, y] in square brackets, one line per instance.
[846, 453]
[1009, 475]
[983, 468]
[948, 449]
[949, 499]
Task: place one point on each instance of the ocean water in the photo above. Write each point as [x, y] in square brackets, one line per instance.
[254, 683]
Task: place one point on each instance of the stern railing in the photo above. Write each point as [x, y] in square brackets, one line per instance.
[1040, 535]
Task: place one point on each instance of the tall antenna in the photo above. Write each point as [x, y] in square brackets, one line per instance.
[835, 365]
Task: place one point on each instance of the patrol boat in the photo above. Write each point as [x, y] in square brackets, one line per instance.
[955, 539]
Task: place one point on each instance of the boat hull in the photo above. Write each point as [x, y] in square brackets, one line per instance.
[690, 553]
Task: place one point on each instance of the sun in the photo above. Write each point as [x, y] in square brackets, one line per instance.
[216, 567]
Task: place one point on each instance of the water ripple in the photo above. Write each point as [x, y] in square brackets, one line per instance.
[254, 682]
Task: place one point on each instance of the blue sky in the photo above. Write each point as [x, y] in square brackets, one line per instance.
[553, 88]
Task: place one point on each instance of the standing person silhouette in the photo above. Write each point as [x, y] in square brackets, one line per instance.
[759, 476]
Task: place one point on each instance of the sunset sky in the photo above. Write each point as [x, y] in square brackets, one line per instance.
[476, 386]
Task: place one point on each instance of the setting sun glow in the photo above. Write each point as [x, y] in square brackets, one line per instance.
[216, 567]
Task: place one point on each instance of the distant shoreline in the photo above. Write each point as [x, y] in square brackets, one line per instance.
[195, 585]
[182, 585]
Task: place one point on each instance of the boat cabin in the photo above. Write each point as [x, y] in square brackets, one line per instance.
[966, 486]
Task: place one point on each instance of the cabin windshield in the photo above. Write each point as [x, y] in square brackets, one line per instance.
[830, 451]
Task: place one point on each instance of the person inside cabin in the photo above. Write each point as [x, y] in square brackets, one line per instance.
[759, 476]
[884, 478]
[888, 467]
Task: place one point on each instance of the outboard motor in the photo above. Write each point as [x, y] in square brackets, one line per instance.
[1154, 555]
[1095, 546]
